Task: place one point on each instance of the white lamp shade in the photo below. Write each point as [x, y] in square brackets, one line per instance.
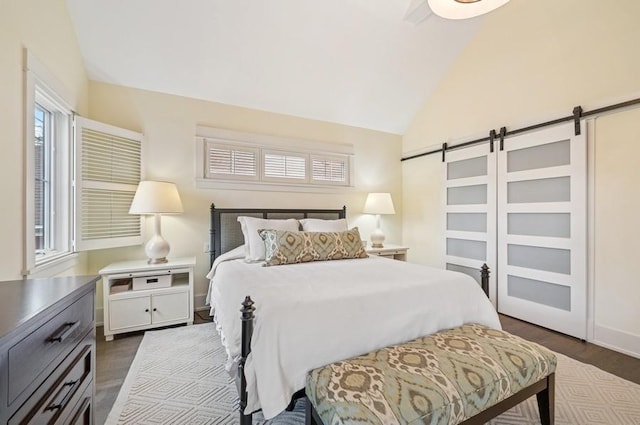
[463, 9]
[379, 203]
[154, 197]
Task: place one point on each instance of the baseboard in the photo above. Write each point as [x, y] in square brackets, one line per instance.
[199, 302]
[617, 340]
[99, 317]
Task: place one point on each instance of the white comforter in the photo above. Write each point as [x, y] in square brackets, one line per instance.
[312, 314]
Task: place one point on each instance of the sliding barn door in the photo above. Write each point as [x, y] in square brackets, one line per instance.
[542, 229]
[470, 212]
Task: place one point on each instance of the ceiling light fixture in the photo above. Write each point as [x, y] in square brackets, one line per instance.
[464, 9]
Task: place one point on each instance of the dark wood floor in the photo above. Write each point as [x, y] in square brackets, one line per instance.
[624, 366]
[114, 358]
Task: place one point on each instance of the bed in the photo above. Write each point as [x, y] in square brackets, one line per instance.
[297, 317]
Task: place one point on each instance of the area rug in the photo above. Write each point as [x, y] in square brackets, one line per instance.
[178, 378]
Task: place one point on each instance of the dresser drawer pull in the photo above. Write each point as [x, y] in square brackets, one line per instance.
[63, 332]
[82, 412]
[66, 397]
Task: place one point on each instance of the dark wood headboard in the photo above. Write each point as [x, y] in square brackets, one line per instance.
[225, 233]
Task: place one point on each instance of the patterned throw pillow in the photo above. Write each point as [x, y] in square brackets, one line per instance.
[286, 247]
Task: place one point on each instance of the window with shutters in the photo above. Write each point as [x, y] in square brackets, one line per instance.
[79, 183]
[284, 166]
[329, 170]
[109, 168]
[228, 159]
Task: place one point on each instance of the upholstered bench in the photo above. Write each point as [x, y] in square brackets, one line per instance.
[464, 375]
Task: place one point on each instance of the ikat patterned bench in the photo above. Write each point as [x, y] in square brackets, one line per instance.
[467, 375]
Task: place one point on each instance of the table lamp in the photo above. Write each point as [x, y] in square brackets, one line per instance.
[157, 198]
[378, 203]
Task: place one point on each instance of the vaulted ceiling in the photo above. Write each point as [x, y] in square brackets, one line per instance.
[365, 63]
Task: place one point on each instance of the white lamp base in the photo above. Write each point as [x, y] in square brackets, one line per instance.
[377, 236]
[157, 248]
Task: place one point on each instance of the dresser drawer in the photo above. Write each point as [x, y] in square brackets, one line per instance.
[60, 401]
[48, 344]
[83, 414]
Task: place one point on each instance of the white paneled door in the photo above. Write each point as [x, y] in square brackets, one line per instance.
[541, 188]
[470, 212]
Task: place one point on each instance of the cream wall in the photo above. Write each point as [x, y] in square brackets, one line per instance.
[169, 125]
[529, 62]
[43, 27]
[617, 236]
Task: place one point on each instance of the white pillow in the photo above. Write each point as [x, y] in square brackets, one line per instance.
[319, 225]
[254, 245]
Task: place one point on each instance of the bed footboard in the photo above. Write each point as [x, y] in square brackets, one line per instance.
[484, 279]
[248, 315]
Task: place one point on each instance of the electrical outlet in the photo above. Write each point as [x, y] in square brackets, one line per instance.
[205, 248]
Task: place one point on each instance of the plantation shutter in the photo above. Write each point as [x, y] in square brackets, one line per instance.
[108, 170]
[233, 162]
[287, 166]
[330, 170]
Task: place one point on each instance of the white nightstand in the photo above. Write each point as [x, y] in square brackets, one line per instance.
[396, 252]
[164, 297]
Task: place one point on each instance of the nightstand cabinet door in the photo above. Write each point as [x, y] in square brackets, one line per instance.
[129, 312]
[170, 307]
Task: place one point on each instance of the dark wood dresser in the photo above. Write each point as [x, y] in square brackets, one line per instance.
[47, 350]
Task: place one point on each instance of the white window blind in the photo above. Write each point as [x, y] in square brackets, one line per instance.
[288, 166]
[109, 167]
[106, 214]
[330, 170]
[230, 161]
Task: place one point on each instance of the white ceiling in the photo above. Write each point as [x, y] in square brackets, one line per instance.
[354, 62]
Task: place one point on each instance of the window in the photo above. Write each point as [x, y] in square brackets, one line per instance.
[228, 159]
[283, 166]
[62, 215]
[48, 169]
[42, 189]
[329, 170]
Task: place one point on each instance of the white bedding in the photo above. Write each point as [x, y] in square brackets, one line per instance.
[312, 314]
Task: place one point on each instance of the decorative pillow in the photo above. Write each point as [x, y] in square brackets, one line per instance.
[254, 246]
[285, 247]
[319, 225]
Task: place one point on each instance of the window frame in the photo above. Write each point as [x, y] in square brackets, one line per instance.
[207, 137]
[41, 88]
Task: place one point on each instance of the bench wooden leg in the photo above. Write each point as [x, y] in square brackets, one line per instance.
[546, 401]
[544, 391]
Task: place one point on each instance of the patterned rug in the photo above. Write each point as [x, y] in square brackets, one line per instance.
[178, 378]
